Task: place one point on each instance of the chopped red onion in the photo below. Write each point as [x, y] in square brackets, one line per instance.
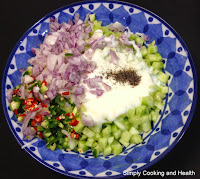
[114, 57]
[106, 87]
[87, 120]
[9, 93]
[66, 133]
[117, 27]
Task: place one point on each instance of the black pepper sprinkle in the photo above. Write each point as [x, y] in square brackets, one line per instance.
[124, 76]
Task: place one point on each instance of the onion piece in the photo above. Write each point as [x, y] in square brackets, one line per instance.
[106, 87]
[114, 57]
[87, 120]
[66, 133]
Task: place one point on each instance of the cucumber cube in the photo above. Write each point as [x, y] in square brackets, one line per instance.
[147, 100]
[79, 127]
[96, 152]
[88, 132]
[133, 131]
[163, 77]
[103, 142]
[82, 147]
[117, 149]
[110, 140]
[136, 139]
[117, 134]
[95, 129]
[106, 131]
[107, 151]
[89, 142]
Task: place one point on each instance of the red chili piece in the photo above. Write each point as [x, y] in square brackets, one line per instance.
[65, 93]
[44, 83]
[22, 115]
[58, 118]
[74, 122]
[39, 133]
[15, 111]
[44, 105]
[33, 123]
[68, 114]
[38, 118]
[15, 91]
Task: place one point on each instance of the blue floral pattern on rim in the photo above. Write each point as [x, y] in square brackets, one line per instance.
[174, 118]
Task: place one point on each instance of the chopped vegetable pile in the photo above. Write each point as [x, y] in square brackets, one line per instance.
[49, 101]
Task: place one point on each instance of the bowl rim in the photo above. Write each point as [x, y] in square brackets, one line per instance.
[194, 100]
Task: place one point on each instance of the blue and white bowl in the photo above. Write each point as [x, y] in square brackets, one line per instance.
[174, 118]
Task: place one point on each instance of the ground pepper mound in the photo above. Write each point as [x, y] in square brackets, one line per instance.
[125, 76]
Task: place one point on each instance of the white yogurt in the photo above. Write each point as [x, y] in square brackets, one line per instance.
[122, 96]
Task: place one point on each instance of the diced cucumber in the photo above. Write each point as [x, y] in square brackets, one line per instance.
[117, 134]
[75, 110]
[154, 115]
[96, 152]
[83, 137]
[88, 132]
[68, 109]
[157, 65]
[107, 151]
[60, 125]
[131, 112]
[94, 145]
[106, 131]
[46, 134]
[110, 140]
[114, 128]
[164, 89]
[14, 105]
[82, 147]
[103, 142]
[125, 143]
[127, 124]
[163, 77]
[146, 127]
[116, 148]
[133, 131]
[72, 144]
[126, 136]
[53, 146]
[158, 96]
[119, 125]
[155, 87]
[65, 145]
[147, 100]
[146, 118]
[136, 139]
[132, 37]
[92, 17]
[158, 104]
[45, 123]
[140, 110]
[135, 120]
[43, 89]
[40, 128]
[139, 40]
[95, 129]
[144, 51]
[79, 127]
[97, 136]
[154, 57]
[89, 142]
[152, 49]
